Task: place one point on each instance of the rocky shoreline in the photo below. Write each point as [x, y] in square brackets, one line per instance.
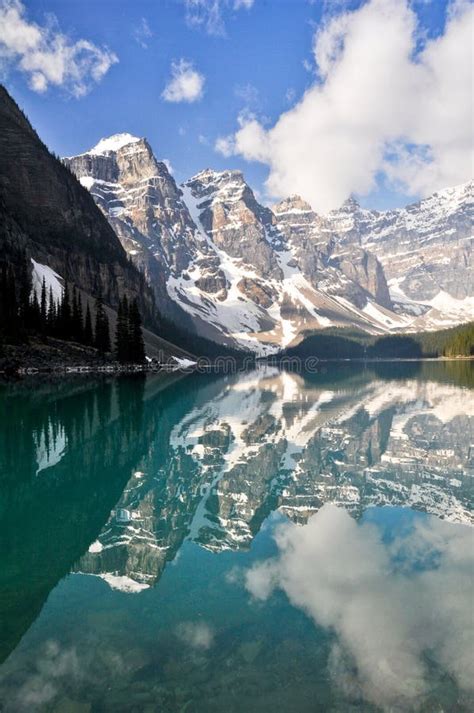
[54, 356]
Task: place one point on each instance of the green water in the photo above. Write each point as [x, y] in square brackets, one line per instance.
[266, 541]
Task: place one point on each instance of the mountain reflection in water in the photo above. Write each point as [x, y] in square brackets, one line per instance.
[290, 584]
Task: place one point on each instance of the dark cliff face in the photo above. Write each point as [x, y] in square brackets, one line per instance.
[45, 210]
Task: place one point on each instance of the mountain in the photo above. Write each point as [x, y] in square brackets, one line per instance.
[217, 259]
[46, 211]
[233, 270]
[48, 216]
[426, 252]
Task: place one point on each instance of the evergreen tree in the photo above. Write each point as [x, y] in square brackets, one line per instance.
[51, 316]
[122, 336]
[34, 313]
[88, 336]
[43, 307]
[76, 317]
[129, 345]
[137, 345]
[102, 330]
[64, 314]
[9, 308]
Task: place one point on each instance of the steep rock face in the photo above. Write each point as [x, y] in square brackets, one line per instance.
[242, 274]
[425, 249]
[141, 201]
[144, 205]
[320, 256]
[364, 269]
[290, 280]
[140, 198]
[224, 262]
[45, 211]
[233, 219]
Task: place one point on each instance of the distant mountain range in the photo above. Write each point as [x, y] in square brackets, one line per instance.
[230, 269]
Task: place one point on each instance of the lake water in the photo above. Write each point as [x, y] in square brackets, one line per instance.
[268, 541]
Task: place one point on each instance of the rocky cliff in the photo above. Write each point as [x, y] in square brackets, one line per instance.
[45, 210]
[426, 250]
[224, 265]
[240, 273]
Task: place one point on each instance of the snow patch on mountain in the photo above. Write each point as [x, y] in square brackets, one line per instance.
[113, 143]
[52, 280]
[452, 307]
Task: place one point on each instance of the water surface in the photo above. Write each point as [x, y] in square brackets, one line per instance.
[267, 541]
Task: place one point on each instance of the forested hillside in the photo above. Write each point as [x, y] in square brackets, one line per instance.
[351, 344]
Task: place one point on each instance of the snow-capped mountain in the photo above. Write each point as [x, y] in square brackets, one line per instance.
[235, 271]
[425, 250]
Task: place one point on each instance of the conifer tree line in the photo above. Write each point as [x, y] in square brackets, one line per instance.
[23, 311]
[462, 342]
[129, 346]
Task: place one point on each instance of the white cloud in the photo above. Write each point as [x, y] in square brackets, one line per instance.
[47, 56]
[225, 145]
[168, 165]
[374, 108]
[142, 33]
[348, 579]
[209, 14]
[186, 83]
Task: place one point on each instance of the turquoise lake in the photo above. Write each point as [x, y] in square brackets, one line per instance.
[255, 542]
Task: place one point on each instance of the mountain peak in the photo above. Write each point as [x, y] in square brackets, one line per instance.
[350, 204]
[114, 143]
[209, 175]
[292, 204]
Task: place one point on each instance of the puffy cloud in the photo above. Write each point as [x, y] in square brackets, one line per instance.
[209, 14]
[388, 604]
[186, 83]
[225, 145]
[378, 106]
[47, 56]
[251, 134]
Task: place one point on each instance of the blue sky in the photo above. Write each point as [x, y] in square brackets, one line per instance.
[257, 63]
